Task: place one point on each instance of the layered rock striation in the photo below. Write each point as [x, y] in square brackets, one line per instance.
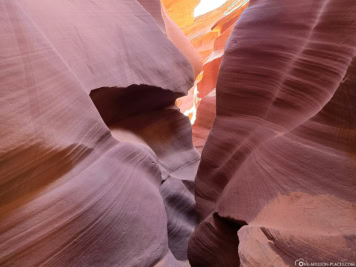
[96, 163]
[277, 177]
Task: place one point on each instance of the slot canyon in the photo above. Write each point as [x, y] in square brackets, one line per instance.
[176, 133]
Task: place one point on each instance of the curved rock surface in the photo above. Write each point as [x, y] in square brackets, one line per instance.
[72, 193]
[97, 164]
[110, 44]
[279, 164]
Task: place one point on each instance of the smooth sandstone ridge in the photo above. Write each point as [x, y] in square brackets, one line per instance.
[72, 193]
[277, 176]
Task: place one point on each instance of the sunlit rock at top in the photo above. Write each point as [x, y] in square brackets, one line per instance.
[208, 32]
[206, 6]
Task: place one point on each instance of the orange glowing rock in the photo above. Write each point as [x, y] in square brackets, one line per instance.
[211, 71]
[181, 12]
[175, 34]
[208, 34]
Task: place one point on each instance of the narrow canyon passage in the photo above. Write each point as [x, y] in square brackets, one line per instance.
[177, 133]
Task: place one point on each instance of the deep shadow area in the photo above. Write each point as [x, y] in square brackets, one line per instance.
[217, 237]
[115, 103]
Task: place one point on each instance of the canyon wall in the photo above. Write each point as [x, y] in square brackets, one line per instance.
[277, 176]
[96, 163]
[99, 167]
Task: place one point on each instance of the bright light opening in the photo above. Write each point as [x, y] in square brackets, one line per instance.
[206, 6]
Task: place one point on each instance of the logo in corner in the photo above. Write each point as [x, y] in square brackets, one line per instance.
[299, 262]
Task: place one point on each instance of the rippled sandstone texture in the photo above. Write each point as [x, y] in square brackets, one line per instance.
[277, 178]
[97, 165]
[72, 192]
